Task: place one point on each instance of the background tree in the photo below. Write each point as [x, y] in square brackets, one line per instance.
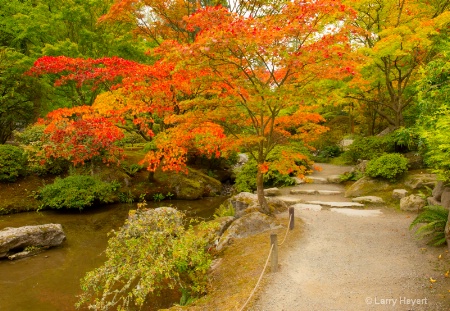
[20, 96]
[398, 40]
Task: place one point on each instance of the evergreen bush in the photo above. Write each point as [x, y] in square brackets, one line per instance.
[368, 148]
[389, 166]
[13, 162]
[76, 192]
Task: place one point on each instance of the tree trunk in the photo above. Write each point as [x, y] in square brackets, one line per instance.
[260, 192]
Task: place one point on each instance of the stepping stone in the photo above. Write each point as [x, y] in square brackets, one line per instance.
[328, 192]
[318, 180]
[308, 207]
[302, 191]
[368, 199]
[337, 204]
[271, 192]
[357, 212]
[290, 200]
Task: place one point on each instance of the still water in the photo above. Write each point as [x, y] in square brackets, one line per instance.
[49, 281]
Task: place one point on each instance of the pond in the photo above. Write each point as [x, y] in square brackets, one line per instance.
[49, 281]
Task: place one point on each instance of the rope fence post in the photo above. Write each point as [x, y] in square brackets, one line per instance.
[291, 218]
[274, 259]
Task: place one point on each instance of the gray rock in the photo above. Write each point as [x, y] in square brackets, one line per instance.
[445, 198]
[191, 186]
[399, 193]
[17, 239]
[360, 166]
[243, 201]
[298, 181]
[334, 179]
[366, 186]
[276, 205]
[419, 181]
[433, 201]
[345, 143]
[412, 203]
[415, 160]
[224, 223]
[437, 190]
[272, 192]
[368, 199]
[248, 225]
[246, 202]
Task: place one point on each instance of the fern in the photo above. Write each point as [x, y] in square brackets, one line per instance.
[433, 219]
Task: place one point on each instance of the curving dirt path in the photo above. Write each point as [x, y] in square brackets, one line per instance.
[347, 262]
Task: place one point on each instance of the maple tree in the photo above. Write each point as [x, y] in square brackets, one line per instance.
[78, 135]
[240, 85]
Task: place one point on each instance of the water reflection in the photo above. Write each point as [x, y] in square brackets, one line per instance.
[50, 280]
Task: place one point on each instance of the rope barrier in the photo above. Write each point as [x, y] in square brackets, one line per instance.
[267, 261]
[287, 231]
[259, 280]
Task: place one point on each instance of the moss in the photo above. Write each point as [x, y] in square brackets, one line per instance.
[191, 186]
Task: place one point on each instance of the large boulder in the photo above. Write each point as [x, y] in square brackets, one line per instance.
[437, 190]
[412, 203]
[248, 225]
[366, 186]
[415, 160]
[191, 186]
[399, 194]
[14, 240]
[246, 202]
[445, 197]
[419, 181]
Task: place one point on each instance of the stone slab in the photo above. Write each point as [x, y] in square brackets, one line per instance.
[308, 207]
[357, 212]
[336, 204]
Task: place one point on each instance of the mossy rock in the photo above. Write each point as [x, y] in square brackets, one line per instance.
[367, 186]
[191, 186]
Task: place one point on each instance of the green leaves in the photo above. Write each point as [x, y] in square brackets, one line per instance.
[153, 251]
[432, 220]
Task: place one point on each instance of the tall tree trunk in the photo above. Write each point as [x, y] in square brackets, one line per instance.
[260, 192]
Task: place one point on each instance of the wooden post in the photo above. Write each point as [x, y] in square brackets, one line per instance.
[274, 259]
[291, 217]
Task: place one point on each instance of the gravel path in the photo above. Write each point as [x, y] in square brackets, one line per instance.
[345, 262]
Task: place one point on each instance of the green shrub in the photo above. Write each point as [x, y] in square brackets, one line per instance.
[246, 178]
[153, 252]
[433, 220]
[12, 163]
[246, 175]
[76, 192]
[389, 166]
[367, 148]
[31, 141]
